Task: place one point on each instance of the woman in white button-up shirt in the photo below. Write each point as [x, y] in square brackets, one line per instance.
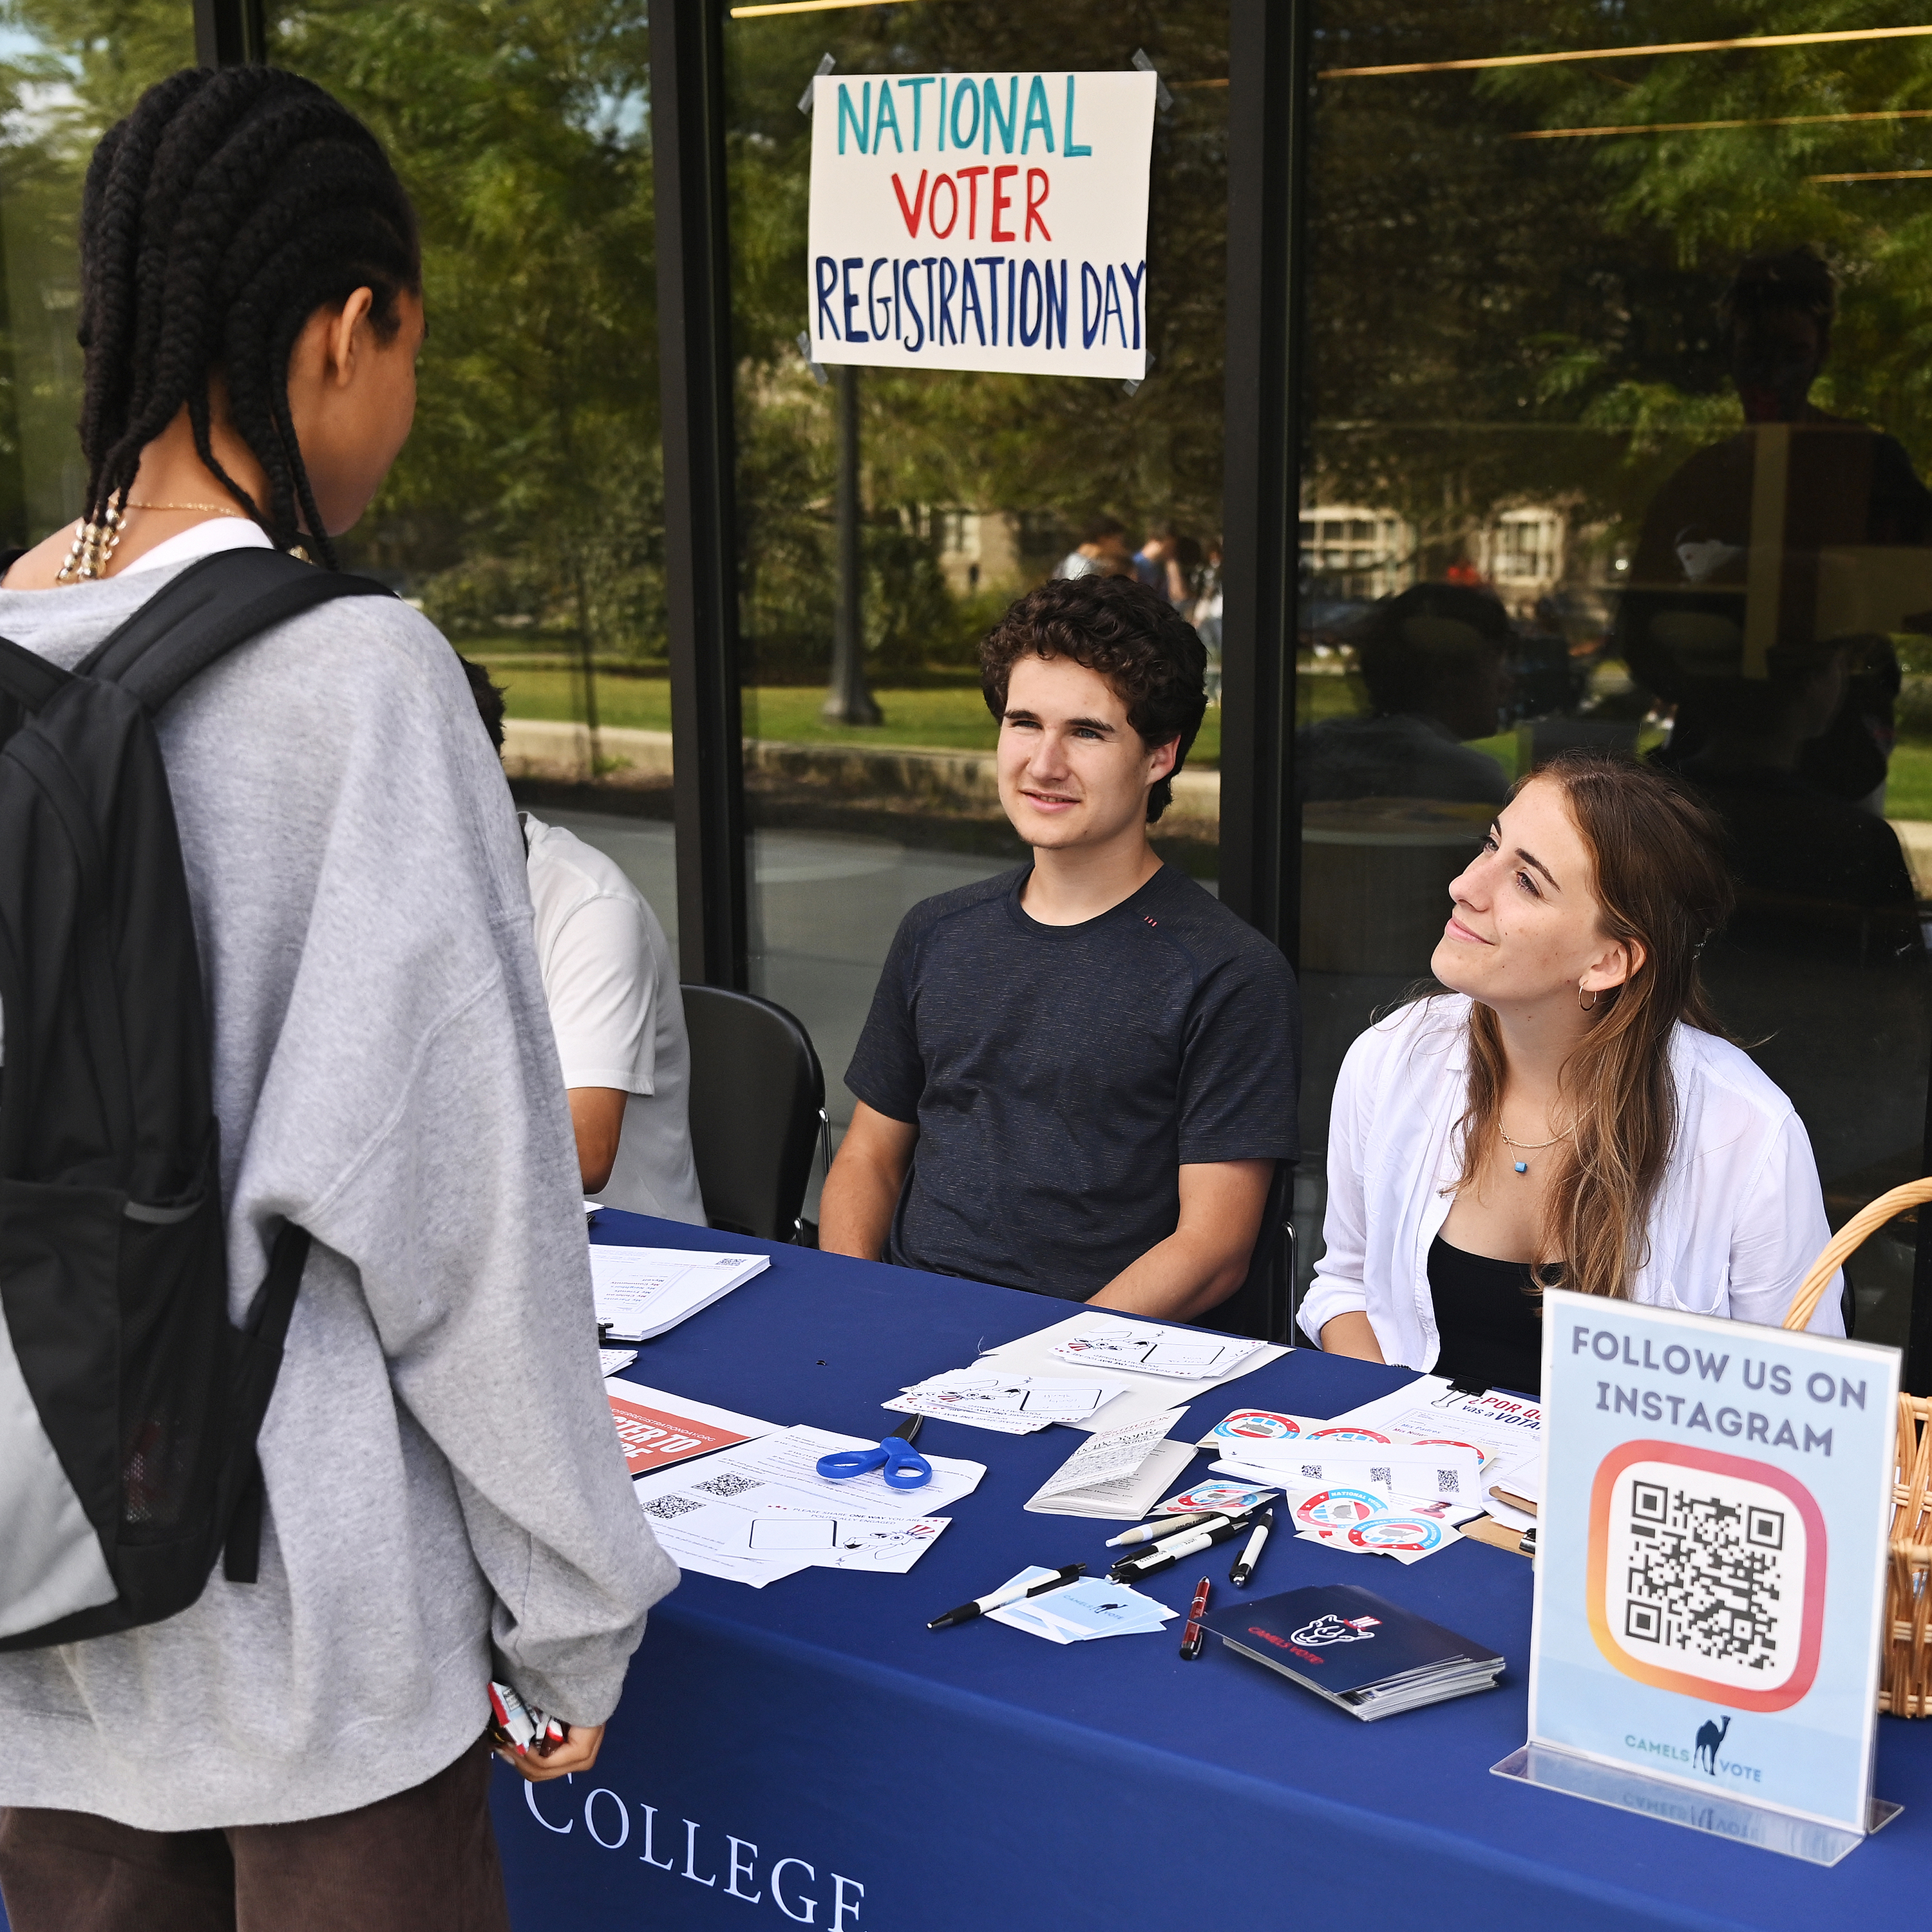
[1566, 1114]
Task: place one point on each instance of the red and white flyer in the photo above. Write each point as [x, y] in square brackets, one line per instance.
[657, 1429]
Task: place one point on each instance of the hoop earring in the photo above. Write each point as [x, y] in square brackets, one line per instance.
[1594, 997]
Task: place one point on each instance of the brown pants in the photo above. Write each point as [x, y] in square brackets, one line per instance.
[423, 1860]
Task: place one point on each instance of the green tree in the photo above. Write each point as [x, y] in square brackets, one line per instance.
[533, 487]
[1056, 450]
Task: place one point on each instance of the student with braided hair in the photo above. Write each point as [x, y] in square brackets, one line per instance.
[443, 1502]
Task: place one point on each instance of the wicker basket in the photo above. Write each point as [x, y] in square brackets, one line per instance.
[1905, 1680]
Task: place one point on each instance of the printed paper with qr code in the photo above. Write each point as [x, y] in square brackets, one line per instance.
[1710, 1582]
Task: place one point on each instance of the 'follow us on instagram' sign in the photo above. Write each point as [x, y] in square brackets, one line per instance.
[1716, 1500]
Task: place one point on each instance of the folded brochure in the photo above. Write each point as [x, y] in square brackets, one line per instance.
[1362, 1653]
[1115, 1473]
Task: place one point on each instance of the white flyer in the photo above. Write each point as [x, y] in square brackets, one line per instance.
[790, 1458]
[1186, 1355]
[1017, 1405]
[760, 1510]
[642, 1292]
[1432, 1471]
[1147, 1395]
[1507, 1428]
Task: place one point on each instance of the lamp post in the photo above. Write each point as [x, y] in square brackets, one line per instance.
[848, 702]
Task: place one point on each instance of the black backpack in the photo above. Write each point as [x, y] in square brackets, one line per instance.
[129, 1403]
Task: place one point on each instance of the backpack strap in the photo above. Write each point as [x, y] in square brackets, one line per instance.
[264, 1330]
[214, 604]
[26, 678]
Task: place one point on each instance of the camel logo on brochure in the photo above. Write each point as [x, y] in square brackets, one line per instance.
[1328, 1628]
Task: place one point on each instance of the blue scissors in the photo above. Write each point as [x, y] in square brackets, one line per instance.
[902, 1465]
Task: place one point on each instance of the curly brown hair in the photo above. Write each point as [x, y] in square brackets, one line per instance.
[1151, 656]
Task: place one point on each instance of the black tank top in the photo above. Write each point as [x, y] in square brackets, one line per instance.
[1490, 1315]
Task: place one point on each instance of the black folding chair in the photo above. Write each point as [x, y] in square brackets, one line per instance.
[757, 1111]
[1261, 1307]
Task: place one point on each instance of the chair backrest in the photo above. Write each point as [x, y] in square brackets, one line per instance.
[757, 1095]
[1261, 1307]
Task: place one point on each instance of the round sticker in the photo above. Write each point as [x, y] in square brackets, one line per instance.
[1339, 1508]
[1345, 1436]
[1259, 1425]
[1396, 1532]
[1230, 1496]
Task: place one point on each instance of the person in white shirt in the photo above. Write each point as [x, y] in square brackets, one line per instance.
[1569, 1113]
[612, 989]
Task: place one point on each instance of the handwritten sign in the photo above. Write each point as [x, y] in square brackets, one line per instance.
[1710, 1578]
[982, 221]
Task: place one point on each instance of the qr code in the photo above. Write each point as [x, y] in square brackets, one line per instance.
[665, 1507]
[1448, 1482]
[1312, 1470]
[1704, 1575]
[725, 1483]
[1382, 1476]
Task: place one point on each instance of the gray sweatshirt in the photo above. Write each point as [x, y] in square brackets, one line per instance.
[446, 1497]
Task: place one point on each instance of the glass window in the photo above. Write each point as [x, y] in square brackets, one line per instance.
[526, 514]
[68, 73]
[968, 489]
[1614, 373]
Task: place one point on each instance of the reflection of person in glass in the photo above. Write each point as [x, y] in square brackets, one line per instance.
[1777, 527]
[1433, 662]
[1571, 1107]
[1818, 872]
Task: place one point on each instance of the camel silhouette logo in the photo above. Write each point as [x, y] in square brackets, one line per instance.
[1710, 1738]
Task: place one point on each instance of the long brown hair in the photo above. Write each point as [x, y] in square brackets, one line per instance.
[1655, 850]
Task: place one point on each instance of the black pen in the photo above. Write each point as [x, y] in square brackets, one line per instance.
[1013, 1594]
[1244, 1564]
[1166, 1554]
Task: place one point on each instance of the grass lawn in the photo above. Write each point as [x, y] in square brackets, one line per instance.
[1908, 790]
[955, 719]
[948, 719]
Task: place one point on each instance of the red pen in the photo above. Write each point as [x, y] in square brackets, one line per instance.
[1193, 1636]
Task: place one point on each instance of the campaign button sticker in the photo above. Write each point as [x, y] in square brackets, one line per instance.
[1258, 1425]
[1338, 1509]
[1397, 1532]
[1345, 1436]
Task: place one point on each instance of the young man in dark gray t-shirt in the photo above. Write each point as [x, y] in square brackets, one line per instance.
[1077, 1078]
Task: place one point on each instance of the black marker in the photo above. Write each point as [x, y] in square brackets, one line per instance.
[1244, 1564]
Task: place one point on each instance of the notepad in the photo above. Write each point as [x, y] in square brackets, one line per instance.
[642, 1293]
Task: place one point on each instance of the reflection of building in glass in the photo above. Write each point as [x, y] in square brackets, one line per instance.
[1353, 553]
[1521, 553]
[978, 550]
[1356, 553]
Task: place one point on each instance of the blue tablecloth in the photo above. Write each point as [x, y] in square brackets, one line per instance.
[779, 1750]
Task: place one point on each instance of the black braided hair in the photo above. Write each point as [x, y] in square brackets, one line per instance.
[228, 207]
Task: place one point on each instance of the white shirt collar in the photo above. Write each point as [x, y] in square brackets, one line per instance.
[199, 540]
